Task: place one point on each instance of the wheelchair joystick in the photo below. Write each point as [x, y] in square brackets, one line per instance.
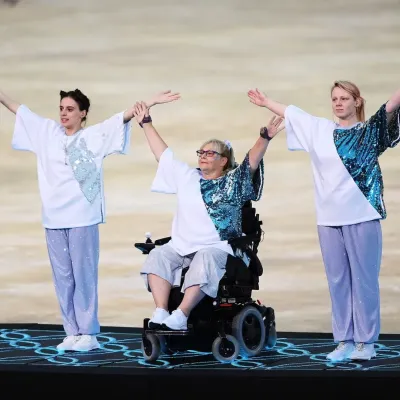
[148, 237]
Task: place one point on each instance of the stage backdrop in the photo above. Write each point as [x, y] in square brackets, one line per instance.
[212, 52]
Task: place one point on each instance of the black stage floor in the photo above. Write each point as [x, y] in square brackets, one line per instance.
[30, 363]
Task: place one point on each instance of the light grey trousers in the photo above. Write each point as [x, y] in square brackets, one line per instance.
[352, 257]
[74, 258]
[206, 268]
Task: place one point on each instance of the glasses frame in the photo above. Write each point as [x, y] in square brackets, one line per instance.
[207, 152]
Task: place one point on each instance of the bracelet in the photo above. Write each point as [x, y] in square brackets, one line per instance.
[264, 133]
[145, 120]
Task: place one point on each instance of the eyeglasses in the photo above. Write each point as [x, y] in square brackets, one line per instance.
[208, 153]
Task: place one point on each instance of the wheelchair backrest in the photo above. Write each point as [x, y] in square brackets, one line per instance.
[251, 223]
[251, 226]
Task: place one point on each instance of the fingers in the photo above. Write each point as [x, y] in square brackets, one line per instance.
[281, 129]
[137, 108]
[145, 109]
[278, 121]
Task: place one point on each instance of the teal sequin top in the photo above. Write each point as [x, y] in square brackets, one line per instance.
[360, 147]
[224, 197]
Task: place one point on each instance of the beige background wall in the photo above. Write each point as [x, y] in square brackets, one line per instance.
[212, 52]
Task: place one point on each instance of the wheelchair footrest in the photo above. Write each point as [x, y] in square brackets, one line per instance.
[167, 332]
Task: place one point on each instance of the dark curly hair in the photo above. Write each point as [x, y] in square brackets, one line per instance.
[81, 99]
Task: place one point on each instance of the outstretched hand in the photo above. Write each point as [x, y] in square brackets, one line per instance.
[163, 97]
[274, 126]
[258, 98]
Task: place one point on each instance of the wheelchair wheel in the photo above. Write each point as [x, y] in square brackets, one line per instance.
[272, 336]
[151, 347]
[249, 329]
[225, 349]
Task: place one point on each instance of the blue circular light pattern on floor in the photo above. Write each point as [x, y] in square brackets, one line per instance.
[39, 347]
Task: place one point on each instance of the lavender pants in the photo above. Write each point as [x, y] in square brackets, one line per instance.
[352, 257]
[74, 258]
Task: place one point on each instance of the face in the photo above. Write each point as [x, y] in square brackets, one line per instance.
[211, 162]
[70, 115]
[343, 104]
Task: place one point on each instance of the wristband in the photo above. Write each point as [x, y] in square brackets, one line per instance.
[145, 120]
[264, 133]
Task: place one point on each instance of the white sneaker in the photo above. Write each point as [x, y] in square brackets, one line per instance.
[342, 351]
[68, 343]
[86, 343]
[177, 321]
[363, 351]
[158, 317]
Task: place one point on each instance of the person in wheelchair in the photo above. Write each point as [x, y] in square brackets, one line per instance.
[209, 213]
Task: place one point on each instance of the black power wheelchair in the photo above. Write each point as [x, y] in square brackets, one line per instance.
[231, 324]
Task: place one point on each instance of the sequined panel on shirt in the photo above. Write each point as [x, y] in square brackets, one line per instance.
[85, 170]
[359, 148]
[224, 197]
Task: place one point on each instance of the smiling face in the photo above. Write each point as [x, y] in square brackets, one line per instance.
[70, 114]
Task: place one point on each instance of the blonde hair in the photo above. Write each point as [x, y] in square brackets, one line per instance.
[354, 91]
[224, 150]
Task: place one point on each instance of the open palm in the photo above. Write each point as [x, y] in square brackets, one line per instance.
[258, 98]
[164, 97]
[274, 127]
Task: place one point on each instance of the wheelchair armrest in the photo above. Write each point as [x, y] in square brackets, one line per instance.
[145, 248]
[243, 240]
[160, 242]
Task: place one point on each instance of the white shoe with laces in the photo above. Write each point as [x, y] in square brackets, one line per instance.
[342, 351]
[363, 351]
[86, 343]
[68, 343]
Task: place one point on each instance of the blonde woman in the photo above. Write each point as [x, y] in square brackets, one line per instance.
[349, 201]
[210, 201]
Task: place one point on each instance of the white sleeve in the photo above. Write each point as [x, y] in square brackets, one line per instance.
[30, 130]
[300, 127]
[110, 136]
[170, 174]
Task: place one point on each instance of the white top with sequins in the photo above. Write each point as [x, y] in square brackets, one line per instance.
[338, 199]
[192, 227]
[70, 168]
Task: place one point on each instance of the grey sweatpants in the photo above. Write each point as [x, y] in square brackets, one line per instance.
[74, 258]
[206, 268]
[352, 257]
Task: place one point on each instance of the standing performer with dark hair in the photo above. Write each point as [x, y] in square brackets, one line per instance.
[70, 174]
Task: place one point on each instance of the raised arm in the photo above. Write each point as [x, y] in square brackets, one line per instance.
[260, 99]
[257, 152]
[156, 143]
[394, 103]
[9, 103]
[159, 98]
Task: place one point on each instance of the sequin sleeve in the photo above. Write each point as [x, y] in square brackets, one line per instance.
[171, 174]
[111, 136]
[246, 185]
[386, 128]
[300, 127]
[31, 130]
